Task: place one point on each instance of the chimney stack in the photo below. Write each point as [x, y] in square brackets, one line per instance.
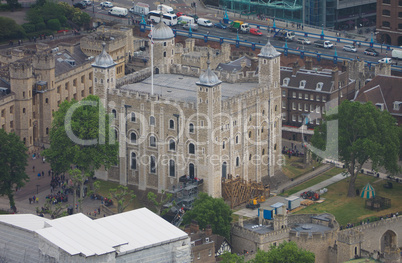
[194, 227]
[295, 68]
[309, 63]
[208, 231]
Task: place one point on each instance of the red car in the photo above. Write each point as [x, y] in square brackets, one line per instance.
[179, 14]
[255, 31]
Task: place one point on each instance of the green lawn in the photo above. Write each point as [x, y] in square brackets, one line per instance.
[104, 191]
[291, 168]
[352, 210]
[318, 179]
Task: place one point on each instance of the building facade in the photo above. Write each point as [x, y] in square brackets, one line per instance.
[389, 22]
[173, 125]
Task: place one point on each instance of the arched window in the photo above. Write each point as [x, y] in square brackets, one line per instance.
[164, 54]
[152, 141]
[133, 116]
[133, 161]
[249, 134]
[262, 130]
[47, 131]
[237, 161]
[172, 168]
[386, 24]
[133, 137]
[191, 170]
[115, 134]
[171, 124]
[237, 139]
[191, 128]
[263, 151]
[223, 145]
[249, 157]
[152, 165]
[275, 147]
[191, 148]
[386, 12]
[224, 166]
[172, 145]
[114, 112]
[23, 110]
[152, 121]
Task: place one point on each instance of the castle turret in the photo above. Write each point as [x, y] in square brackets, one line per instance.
[269, 79]
[163, 47]
[209, 134]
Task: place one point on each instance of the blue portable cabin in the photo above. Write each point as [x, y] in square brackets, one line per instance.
[267, 213]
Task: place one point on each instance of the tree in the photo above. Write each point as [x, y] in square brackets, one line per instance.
[9, 29]
[364, 134]
[228, 257]
[211, 211]
[120, 194]
[13, 160]
[83, 140]
[13, 4]
[284, 253]
[159, 202]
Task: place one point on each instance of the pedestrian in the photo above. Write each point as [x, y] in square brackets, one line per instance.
[43, 159]
[98, 210]
[38, 175]
[33, 168]
[30, 200]
[43, 173]
[95, 213]
[37, 199]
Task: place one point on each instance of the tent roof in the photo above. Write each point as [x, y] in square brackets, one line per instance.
[368, 191]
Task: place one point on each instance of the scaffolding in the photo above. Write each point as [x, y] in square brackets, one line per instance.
[282, 9]
[237, 191]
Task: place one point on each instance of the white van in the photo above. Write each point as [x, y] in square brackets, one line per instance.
[165, 9]
[140, 9]
[204, 22]
[186, 20]
[118, 11]
[396, 53]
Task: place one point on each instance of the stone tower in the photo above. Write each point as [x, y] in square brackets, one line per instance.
[104, 72]
[163, 47]
[22, 82]
[269, 79]
[44, 68]
[349, 244]
[209, 133]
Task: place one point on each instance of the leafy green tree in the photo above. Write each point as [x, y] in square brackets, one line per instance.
[286, 252]
[81, 18]
[228, 257]
[364, 134]
[13, 4]
[54, 210]
[9, 29]
[54, 24]
[80, 136]
[13, 160]
[211, 211]
[123, 197]
[159, 202]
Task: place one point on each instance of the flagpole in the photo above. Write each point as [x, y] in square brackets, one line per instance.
[152, 61]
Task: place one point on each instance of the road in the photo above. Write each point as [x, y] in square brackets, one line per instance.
[183, 6]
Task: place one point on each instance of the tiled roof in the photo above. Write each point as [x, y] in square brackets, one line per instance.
[383, 89]
[63, 58]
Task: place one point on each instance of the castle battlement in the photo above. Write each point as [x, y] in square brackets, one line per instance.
[388, 222]
[20, 70]
[43, 61]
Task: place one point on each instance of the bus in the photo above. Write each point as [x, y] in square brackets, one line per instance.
[165, 9]
[168, 19]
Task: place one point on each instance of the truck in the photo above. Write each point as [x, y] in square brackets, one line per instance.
[323, 43]
[396, 54]
[140, 9]
[239, 26]
[285, 35]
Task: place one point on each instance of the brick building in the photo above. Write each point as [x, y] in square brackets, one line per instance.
[389, 22]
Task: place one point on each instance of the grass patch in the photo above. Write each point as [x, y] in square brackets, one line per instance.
[318, 179]
[352, 210]
[104, 187]
[293, 166]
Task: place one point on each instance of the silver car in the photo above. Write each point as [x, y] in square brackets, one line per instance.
[303, 41]
[349, 48]
[194, 27]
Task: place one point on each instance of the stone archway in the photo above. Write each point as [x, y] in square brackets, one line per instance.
[388, 240]
[386, 39]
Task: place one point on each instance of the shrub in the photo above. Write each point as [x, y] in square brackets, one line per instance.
[28, 27]
[54, 24]
[63, 20]
[4, 7]
[40, 26]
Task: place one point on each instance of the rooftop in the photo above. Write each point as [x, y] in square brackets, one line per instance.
[311, 228]
[65, 61]
[260, 229]
[183, 88]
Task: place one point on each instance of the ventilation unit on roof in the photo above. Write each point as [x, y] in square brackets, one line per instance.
[56, 49]
[319, 86]
[70, 61]
[380, 106]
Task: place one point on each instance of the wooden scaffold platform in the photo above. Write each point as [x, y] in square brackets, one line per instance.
[237, 191]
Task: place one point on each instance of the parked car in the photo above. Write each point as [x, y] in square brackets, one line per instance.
[179, 14]
[220, 25]
[106, 4]
[80, 5]
[87, 2]
[194, 27]
[303, 41]
[204, 22]
[349, 48]
[255, 31]
[371, 52]
[385, 60]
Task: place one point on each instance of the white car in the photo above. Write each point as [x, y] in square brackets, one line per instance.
[106, 4]
[349, 48]
[385, 60]
[87, 2]
[303, 41]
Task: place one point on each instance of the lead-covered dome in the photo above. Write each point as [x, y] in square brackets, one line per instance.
[103, 60]
[269, 51]
[161, 32]
[208, 78]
